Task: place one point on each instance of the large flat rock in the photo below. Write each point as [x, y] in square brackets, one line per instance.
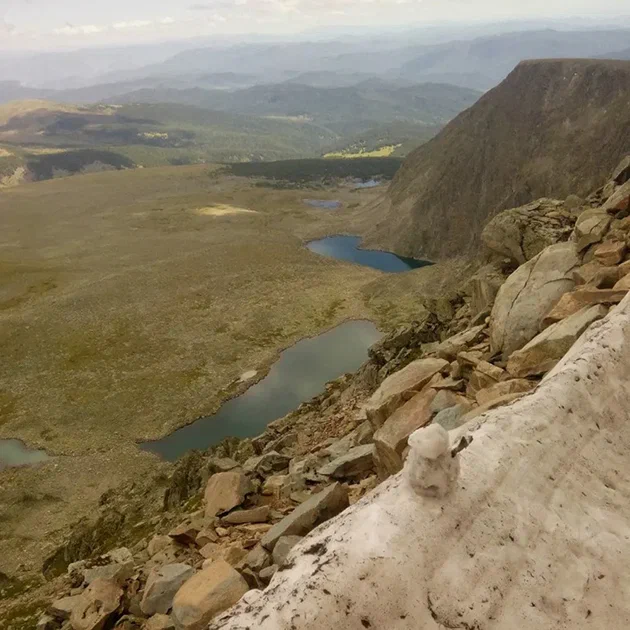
[305, 517]
[528, 294]
[206, 594]
[398, 388]
[544, 351]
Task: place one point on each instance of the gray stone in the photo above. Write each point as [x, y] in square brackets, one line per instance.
[401, 386]
[255, 515]
[528, 295]
[161, 587]
[266, 574]
[619, 200]
[543, 352]
[117, 565]
[267, 464]
[355, 464]
[319, 508]
[622, 173]
[258, 558]
[451, 418]
[283, 547]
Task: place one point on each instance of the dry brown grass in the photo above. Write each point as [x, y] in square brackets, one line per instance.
[125, 312]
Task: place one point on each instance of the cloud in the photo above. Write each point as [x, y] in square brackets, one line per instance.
[84, 29]
[133, 24]
[93, 29]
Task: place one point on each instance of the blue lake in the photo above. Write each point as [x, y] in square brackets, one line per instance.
[347, 248]
[300, 373]
[323, 204]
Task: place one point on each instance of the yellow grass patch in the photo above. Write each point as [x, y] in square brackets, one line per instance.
[221, 210]
[5, 153]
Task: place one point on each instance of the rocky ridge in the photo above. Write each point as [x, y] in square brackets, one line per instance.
[176, 552]
[553, 127]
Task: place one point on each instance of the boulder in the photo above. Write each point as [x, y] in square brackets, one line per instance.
[483, 288]
[591, 227]
[619, 200]
[159, 543]
[255, 515]
[519, 234]
[210, 550]
[221, 464]
[605, 278]
[205, 536]
[62, 608]
[622, 173]
[283, 547]
[610, 254]
[282, 486]
[571, 303]
[186, 533]
[585, 274]
[391, 439]
[267, 464]
[445, 399]
[234, 554]
[528, 294]
[159, 622]
[623, 284]
[117, 565]
[400, 387]
[46, 622]
[258, 558]
[543, 352]
[319, 508]
[225, 491]
[355, 464]
[358, 437]
[206, 594]
[450, 348]
[498, 390]
[266, 574]
[161, 586]
[97, 604]
[451, 418]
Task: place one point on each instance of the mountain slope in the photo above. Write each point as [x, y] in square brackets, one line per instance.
[485, 61]
[345, 110]
[553, 127]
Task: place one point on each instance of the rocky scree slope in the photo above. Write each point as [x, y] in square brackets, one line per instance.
[551, 128]
[177, 551]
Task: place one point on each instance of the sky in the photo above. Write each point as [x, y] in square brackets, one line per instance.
[33, 24]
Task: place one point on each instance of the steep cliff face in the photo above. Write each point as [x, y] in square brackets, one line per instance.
[553, 127]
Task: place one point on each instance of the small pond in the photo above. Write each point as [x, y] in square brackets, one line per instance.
[16, 453]
[370, 183]
[347, 248]
[323, 204]
[299, 374]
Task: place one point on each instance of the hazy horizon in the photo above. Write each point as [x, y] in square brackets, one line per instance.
[35, 25]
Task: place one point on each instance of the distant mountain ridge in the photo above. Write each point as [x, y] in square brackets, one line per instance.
[553, 127]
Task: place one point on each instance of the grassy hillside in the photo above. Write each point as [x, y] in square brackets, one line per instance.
[401, 136]
[344, 110]
[156, 134]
